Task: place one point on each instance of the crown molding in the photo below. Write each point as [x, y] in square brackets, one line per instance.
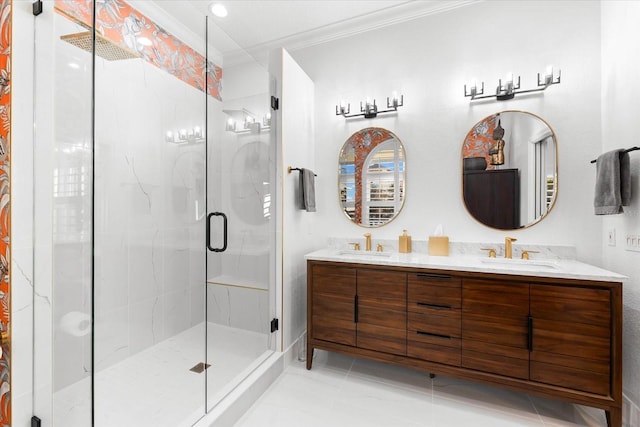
[349, 27]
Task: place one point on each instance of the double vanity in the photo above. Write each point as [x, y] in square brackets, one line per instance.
[543, 324]
[551, 327]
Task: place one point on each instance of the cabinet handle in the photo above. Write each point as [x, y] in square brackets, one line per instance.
[355, 309]
[429, 334]
[530, 333]
[433, 276]
[435, 306]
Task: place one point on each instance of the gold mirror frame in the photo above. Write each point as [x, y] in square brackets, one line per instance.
[512, 143]
[385, 174]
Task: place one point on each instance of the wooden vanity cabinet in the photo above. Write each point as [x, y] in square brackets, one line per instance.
[555, 335]
[559, 338]
[571, 337]
[381, 311]
[332, 306]
[360, 307]
[434, 317]
[495, 327]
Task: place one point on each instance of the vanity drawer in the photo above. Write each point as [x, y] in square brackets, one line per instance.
[434, 348]
[433, 291]
[434, 334]
[439, 322]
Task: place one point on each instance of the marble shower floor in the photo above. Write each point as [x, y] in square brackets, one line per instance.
[155, 388]
[341, 391]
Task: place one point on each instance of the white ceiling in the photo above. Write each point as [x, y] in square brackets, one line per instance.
[257, 26]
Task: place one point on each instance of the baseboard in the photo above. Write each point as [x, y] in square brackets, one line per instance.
[296, 351]
[630, 413]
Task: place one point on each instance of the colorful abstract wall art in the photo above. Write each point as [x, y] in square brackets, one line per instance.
[5, 209]
[126, 27]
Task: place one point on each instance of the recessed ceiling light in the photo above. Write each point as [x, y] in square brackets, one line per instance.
[218, 10]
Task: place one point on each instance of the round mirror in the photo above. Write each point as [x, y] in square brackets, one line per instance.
[371, 177]
[510, 170]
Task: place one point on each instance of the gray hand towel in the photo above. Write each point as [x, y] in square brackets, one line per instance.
[613, 183]
[307, 190]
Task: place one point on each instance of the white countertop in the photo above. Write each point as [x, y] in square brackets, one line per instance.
[554, 268]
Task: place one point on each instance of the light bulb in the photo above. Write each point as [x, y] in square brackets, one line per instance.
[219, 10]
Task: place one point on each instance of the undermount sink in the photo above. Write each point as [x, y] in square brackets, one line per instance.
[520, 264]
[365, 253]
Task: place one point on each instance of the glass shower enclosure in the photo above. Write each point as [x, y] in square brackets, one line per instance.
[157, 150]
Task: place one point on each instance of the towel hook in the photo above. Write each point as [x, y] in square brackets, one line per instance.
[290, 169]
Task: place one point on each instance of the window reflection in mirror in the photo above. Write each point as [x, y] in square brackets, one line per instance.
[510, 170]
[371, 177]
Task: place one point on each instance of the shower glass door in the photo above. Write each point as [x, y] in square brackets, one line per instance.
[125, 115]
[63, 193]
[149, 218]
[241, 218]
[155, 186]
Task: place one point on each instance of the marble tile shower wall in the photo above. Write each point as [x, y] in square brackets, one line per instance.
[149, 215]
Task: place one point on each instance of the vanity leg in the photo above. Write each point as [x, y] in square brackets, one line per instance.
[309, 356]
[614, 417]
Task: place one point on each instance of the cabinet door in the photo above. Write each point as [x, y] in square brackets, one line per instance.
[571, 337]
[433, 324]
[495, 318]
[382, 311]
[333, 304]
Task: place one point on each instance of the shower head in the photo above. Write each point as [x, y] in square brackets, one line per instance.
[105, 48]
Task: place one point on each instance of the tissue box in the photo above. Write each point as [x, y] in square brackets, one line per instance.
[439, 245]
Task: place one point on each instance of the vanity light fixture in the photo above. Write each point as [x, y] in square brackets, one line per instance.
[266, 121]
[509, 88]
[243, 121]
[370, 109]
[185, 136]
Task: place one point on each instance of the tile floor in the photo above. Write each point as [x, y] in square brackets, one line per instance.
[341, 391]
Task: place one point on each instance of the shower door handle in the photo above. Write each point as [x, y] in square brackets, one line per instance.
[224, 232]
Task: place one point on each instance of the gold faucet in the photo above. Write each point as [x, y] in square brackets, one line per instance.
[492, 252]
[507, 246]
[367, 243]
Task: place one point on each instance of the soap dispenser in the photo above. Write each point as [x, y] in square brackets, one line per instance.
[404, 243]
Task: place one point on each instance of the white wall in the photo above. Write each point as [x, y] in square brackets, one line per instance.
[429, 60]
[620, 107]
[298, 227]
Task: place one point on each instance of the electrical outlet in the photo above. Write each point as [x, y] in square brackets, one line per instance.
[632, 242]
[612, 237]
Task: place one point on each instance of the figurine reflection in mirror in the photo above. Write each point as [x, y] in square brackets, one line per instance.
[497, 149]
